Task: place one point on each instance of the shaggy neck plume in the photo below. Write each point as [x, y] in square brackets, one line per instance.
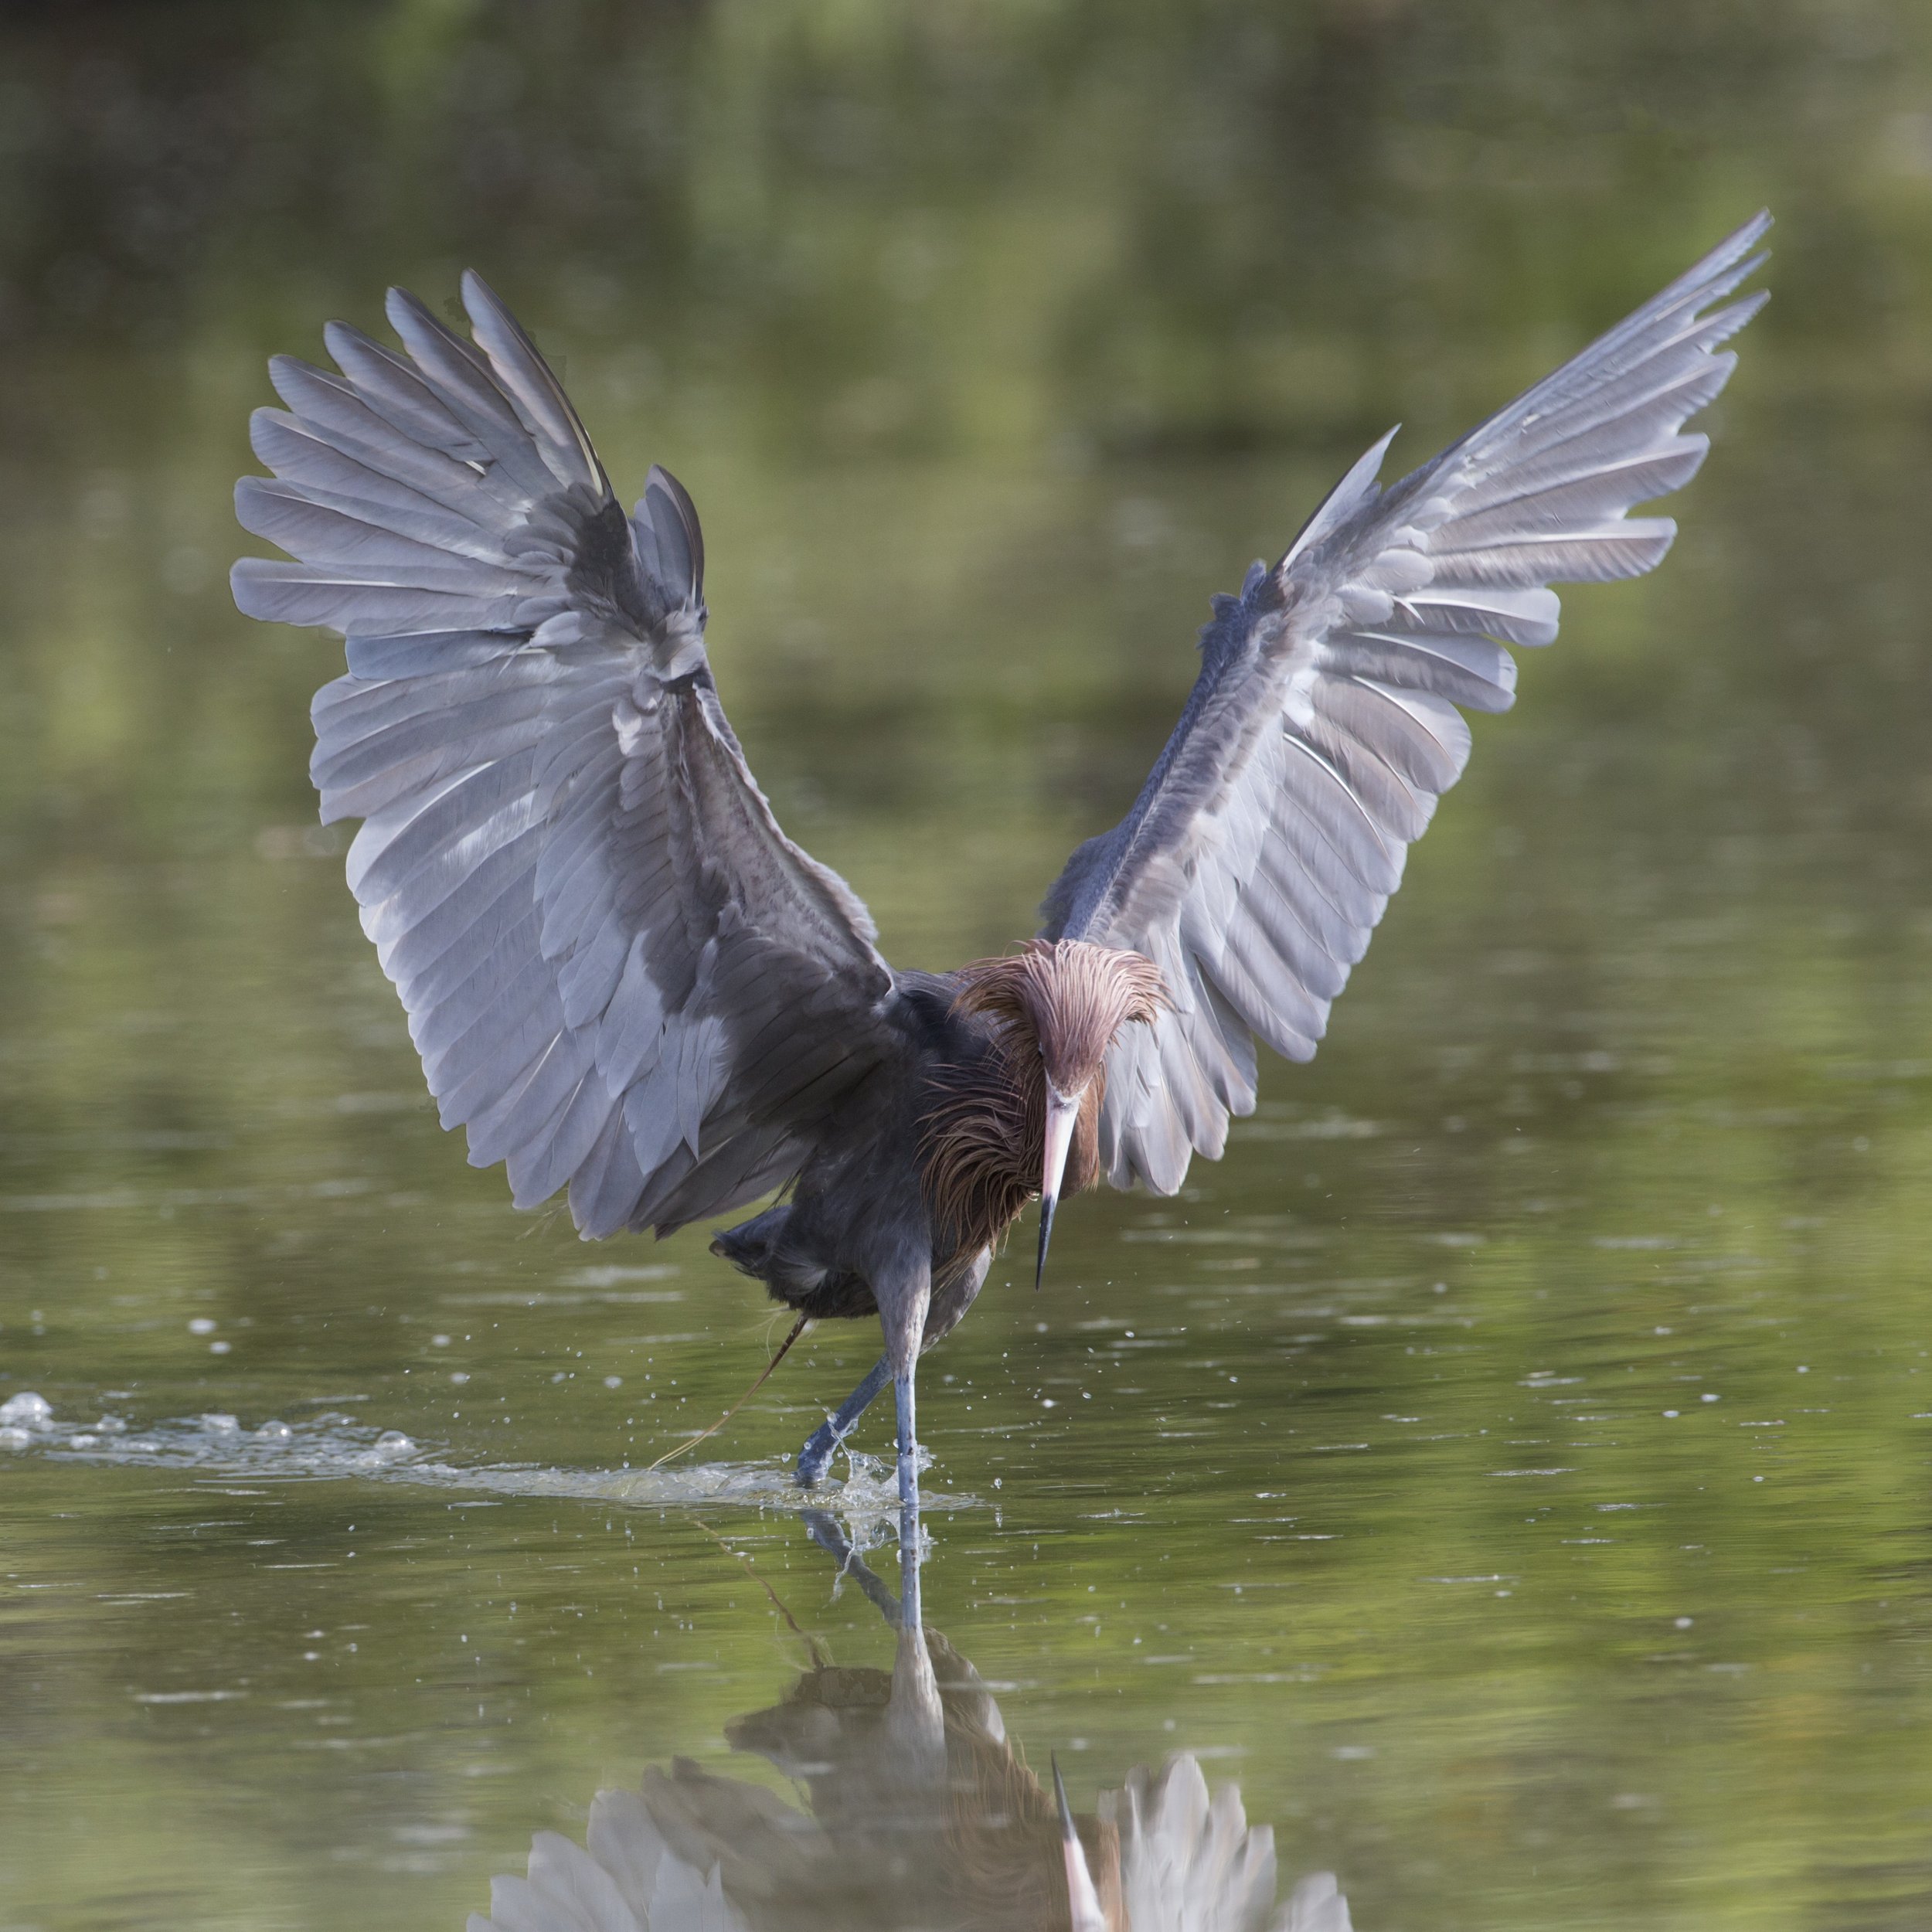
[1056, 1007]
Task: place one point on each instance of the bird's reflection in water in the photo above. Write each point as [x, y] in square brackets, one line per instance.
[921, 1814]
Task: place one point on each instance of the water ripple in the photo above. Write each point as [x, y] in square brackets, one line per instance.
[330, 1448]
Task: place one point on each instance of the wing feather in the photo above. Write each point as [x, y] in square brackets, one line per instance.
[1324, 725]
[622, 976]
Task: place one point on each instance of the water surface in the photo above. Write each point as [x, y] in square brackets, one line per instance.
[1509, 1465]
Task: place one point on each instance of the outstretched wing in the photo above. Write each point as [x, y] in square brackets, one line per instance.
[620, 973]
[1323, 726]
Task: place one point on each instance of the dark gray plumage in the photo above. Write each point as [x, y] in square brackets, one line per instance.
[624, 979]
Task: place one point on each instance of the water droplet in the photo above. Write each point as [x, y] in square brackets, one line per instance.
[27, 1410]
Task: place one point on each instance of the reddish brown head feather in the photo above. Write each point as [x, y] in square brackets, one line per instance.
[1067, 999]
[1059, 1004]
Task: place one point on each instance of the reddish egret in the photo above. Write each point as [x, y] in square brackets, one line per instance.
[623, 978]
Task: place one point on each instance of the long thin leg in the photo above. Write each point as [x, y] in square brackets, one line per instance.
[815, 1458]
[901, 1314]
[908, 1500]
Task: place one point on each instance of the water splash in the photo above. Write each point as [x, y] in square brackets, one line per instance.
[332, 1446]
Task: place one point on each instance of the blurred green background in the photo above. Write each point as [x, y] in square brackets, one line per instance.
[991, 339]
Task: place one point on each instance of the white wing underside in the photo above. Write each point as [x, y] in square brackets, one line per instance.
[1324, 725]
[620, 975]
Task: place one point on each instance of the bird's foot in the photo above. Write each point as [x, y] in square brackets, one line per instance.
[815, 1458]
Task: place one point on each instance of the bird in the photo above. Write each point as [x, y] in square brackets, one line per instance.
[624, 980]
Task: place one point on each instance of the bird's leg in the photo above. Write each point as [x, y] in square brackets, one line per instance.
[909, 1604]
[903, 1316]
[815, 1458]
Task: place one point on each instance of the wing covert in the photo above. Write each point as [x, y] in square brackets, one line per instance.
[1325, 723]
[622, 976]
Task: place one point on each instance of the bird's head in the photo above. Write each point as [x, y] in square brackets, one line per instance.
[1064, 1002]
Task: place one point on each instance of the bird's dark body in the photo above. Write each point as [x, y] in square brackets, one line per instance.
[859, 1212]
[624, 979]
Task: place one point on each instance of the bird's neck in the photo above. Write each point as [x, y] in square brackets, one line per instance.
[983, 1142]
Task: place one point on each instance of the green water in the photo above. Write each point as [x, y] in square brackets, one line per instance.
[1510, 1465]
